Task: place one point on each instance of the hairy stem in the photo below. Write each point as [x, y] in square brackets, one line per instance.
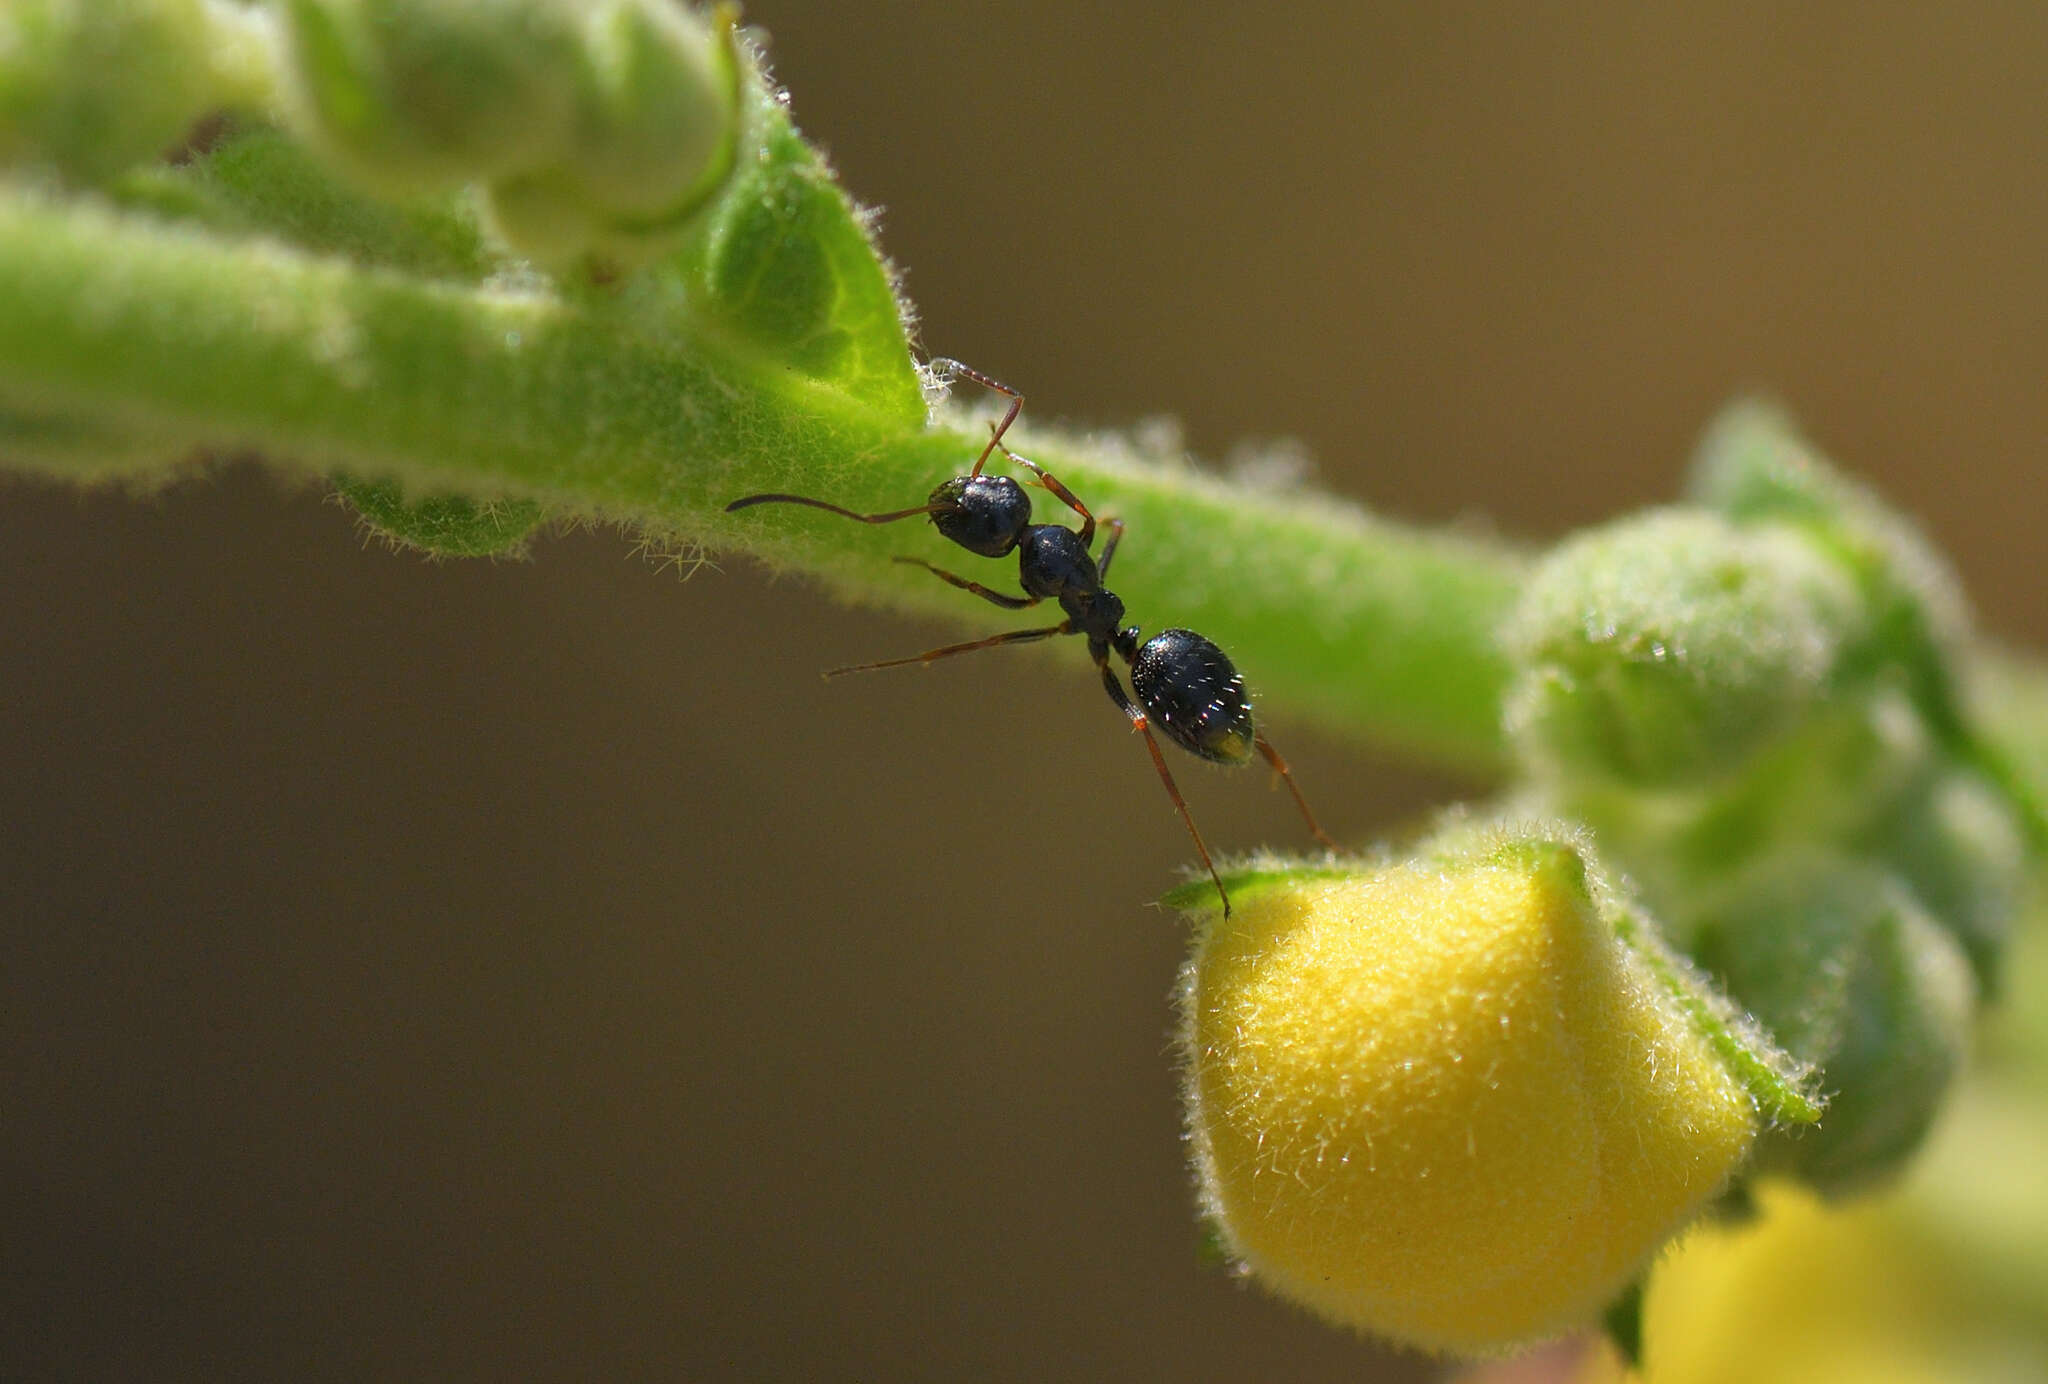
[617, 406]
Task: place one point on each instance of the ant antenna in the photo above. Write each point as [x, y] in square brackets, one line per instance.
[888, 518]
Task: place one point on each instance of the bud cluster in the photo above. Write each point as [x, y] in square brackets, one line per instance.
[89, 88]
[1752, 705]
[593, 129]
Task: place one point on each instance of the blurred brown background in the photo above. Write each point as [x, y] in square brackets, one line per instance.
[533, 970]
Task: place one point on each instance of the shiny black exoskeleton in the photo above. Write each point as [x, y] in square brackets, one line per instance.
[1185, 685]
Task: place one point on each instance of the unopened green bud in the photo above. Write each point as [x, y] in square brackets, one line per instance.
[94, 87]
[656, 110]
[1457, 1101]
[656, 135]
[1667, 649]
[1840, 961]
[1961, 847]
[1755, 467]
[414, 96]
[594, 130]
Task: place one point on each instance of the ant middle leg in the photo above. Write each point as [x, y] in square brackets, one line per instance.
[1287, 776]
[946, 370]
[1116, 534]
[948, 650]
[994, 597]
[1142, 723]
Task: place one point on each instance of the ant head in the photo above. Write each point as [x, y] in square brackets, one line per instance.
[983, 514]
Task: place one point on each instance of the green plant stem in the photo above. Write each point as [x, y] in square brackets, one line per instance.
[615, 407]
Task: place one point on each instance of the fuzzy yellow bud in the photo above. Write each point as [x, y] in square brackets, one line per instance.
[1445, 1101]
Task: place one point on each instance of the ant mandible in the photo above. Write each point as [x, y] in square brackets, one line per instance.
[1183, 682]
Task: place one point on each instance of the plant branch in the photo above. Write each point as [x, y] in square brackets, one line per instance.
[629, 408]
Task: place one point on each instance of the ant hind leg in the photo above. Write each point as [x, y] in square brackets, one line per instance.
[1287, 777]
[1142, 723]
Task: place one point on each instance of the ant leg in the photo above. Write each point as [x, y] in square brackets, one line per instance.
[997, 597]
[1140, 722]
[946, 370]
[1273, 758]
[1052, 483]
[1116, 533]
[948, 650]
[748, 501]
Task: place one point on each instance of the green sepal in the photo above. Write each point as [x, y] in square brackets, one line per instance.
[1784, 1091]
[1783, 1087]
[1623, 1322]
[1212, 1246]
[1197, 894]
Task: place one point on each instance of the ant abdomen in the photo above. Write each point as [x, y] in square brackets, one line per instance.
[1194, 693]
[983, 514]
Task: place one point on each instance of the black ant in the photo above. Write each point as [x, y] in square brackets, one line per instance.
[1182, 680]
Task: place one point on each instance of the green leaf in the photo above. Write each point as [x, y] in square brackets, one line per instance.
[444, 525]
[1623, 1321]
[789, 275]
[258, 181]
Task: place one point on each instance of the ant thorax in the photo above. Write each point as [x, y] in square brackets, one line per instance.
[1053, 563]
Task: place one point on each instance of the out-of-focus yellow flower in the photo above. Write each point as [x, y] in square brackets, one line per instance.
[1944, 1281]
[1807, 1294]
[1941, 1280]
[1444, 1101]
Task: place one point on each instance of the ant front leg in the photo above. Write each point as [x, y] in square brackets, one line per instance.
[994, 597]
[1051, 482]
[1140, 722]
[945, 370]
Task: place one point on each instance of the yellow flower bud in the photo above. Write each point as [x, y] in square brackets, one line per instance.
[1445, 1102]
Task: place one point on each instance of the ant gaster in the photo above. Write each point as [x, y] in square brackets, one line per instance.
[1184, 683]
